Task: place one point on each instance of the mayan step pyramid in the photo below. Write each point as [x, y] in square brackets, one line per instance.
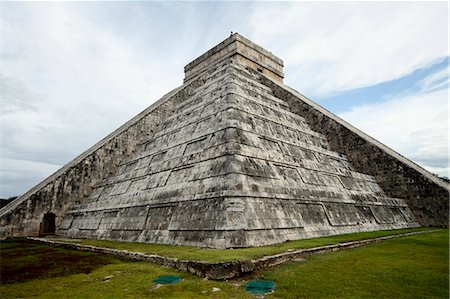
[233, 158]
[233, 167]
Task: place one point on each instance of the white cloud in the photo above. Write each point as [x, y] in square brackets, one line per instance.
[439, 79]
[19, 174]
[336, 46]
[69, 80]
[415, 126]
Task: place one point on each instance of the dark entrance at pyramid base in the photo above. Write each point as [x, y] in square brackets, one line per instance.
[48, 224]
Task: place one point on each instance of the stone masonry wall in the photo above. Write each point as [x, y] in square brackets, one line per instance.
[426, 195]
[233, 167]
[74, 182]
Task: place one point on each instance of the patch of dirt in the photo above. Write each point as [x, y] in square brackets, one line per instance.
[23, 260]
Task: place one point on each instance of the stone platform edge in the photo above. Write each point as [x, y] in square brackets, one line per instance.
[230, 269]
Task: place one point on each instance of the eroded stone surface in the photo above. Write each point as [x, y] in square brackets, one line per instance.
[233, 167]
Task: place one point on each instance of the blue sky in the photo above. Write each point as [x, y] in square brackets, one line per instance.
[74, 71]
[409, 84]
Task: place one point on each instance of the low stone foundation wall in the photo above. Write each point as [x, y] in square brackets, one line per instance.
[224, 270]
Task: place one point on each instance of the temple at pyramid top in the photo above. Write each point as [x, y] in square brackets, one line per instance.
[245, 51]
[231, 158]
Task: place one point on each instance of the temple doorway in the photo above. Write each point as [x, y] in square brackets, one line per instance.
[49, 224]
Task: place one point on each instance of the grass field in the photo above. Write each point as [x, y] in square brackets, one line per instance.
[408, 267]
[220, 255]
[22, 260]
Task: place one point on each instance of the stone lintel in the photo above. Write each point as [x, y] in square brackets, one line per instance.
[247, 53]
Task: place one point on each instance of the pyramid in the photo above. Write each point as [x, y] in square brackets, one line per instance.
[231, 158]
[234, 166]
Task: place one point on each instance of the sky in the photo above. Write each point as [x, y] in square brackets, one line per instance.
[72, 72]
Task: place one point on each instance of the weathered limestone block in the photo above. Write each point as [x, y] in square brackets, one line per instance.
[243, 50]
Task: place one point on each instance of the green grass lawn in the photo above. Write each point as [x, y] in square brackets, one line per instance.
[408, 267]
[220, 255]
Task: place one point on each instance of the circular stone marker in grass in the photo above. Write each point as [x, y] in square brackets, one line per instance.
[260, 287]
[168, 279]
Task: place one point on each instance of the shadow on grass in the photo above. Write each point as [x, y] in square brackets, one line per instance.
[23, 260]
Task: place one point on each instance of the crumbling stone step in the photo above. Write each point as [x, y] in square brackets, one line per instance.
[224, 270]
